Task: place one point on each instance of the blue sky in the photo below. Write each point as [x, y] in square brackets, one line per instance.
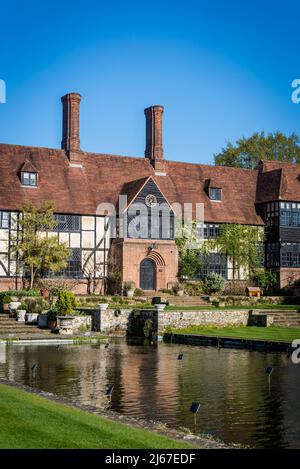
[222, 69]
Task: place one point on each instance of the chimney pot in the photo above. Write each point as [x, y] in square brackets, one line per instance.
[70, 138]
[154, 144]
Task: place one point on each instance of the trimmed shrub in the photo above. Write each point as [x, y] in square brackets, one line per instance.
[193, 288]
[36, 305]
[6, 300]
[65, 304]
[19, 293]
[138, 292]
[166, 291]
[214, 283]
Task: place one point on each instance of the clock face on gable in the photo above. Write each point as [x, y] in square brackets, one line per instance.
[150, 200]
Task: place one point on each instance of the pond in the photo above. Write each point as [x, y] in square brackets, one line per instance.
[237, 404]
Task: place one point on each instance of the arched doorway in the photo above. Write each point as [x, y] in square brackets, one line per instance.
[147, 275]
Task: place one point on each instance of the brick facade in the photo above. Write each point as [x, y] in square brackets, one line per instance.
[131, 252]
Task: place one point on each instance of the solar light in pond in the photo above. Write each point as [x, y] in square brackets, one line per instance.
[269, 371]
[195, 407]
[109, 391]
[34, 368]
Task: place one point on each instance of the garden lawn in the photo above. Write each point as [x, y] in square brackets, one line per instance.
[273, 333]
[31, 421]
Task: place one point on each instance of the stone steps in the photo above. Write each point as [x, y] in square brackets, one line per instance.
[27, 329]
[178, 300]
[4, 316]
[9, 326]
[286, 318]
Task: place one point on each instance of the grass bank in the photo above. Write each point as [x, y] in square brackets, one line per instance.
[272, 333]
[31, 421]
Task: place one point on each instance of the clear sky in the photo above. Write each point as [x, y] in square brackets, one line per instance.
[222, 69]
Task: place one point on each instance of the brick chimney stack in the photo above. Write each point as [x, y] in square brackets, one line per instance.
[70, 138]
[154, 146]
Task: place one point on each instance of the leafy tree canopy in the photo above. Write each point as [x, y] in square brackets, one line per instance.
[36, 250]
[242, 244]
[247, 152]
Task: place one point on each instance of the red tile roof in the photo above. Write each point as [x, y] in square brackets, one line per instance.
[103, 177]
[278, 180]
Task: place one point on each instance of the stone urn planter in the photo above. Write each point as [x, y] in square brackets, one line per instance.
[32, 318]
[13, 306]
[180, 292]
[66, 324]
[159, 308]
[130, 293]
[43, 321]
[103, 307]
[21, 313]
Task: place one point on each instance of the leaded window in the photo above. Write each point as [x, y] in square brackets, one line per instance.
[4, 220]
[290, 254]
[208, 230]
[272, 255]
[289, 214]
[68, 222]
[213, 263]
[73, 268]
[272, 214]
[147, 226]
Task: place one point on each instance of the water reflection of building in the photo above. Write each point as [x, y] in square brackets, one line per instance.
[148, 380]
[3, 353]
[231, 386]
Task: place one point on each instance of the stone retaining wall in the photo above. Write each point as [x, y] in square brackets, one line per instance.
[183, 319]
[111, 320]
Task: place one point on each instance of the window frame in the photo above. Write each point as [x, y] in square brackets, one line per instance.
[215, 190]
[32, 176]
[3, 218]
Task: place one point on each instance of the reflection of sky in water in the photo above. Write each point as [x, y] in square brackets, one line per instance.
[150, 382]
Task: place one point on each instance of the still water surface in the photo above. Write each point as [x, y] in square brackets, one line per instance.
[231, 385]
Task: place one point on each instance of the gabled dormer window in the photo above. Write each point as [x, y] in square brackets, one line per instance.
[29, 179]
[215, 194]
[28, 174]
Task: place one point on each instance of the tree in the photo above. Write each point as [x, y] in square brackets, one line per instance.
[247, 152]
[93, 272]
[242, 245]
[36, 250]
[189, 249]
[265, 279]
